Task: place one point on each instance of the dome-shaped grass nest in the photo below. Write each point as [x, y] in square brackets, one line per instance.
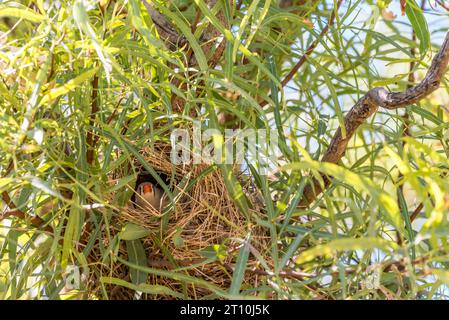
[202, 224]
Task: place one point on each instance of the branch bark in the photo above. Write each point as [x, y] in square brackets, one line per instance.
[368, 105]
[172, 39]
[35, 221]
[90, 140]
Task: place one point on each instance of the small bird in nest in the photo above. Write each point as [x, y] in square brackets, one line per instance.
[150, 196]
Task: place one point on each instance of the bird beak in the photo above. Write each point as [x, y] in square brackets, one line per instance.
[147, 189]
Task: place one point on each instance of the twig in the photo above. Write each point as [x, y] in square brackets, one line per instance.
[115, 110]
[312, 47]
[416, 212]
[309, 50]
[445, 7]
[35, 221]
[90, 134]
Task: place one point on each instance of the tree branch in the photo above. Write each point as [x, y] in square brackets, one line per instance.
[36, 221]
[312, 46]
[309, 50]
[368, 105]
[210, 34]
[90, 141]
[172, 39]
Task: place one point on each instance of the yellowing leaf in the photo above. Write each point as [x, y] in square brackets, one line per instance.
[401, 164]
[69, 86]
[388, 81]
[442, 275]
[22, 13]
[360, 182]
[345, 245]
[5, 181]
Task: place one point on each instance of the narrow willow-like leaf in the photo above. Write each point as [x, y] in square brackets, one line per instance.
[143, 287]
[137, 256]
[132, 231]
[20, 12]
[240, 267]
[344, 245]
[419, 24]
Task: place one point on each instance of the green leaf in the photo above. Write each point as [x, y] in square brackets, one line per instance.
[179, 277]
[334, 95]
[185, 29]
[242, 27]
[213, 19]
[21, 13]
[137, 256]
[69, 86]
[82, 20]
[143, 287]
[277, 106]
[419, 24]
[214, 252]
[132, 231]
[361, 183]
[240, 267]
[406, 217]
[72, 231]
[345, 245]
[178, 241]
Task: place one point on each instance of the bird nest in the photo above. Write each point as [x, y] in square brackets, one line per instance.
[202, 221]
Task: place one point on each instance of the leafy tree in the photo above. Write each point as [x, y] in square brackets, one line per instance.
[356, 202]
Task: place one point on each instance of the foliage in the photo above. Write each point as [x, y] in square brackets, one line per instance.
[85, 85]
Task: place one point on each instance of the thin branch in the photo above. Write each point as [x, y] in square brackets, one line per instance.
[172, 39]
[35, 221]
[445, 7]
[312, 46]
[90, 134]
[15, 212]
[309, 50]
[369, 104]
[416, 212]
[111, 117]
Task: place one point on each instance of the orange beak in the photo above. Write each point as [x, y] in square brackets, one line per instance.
[147, 188]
